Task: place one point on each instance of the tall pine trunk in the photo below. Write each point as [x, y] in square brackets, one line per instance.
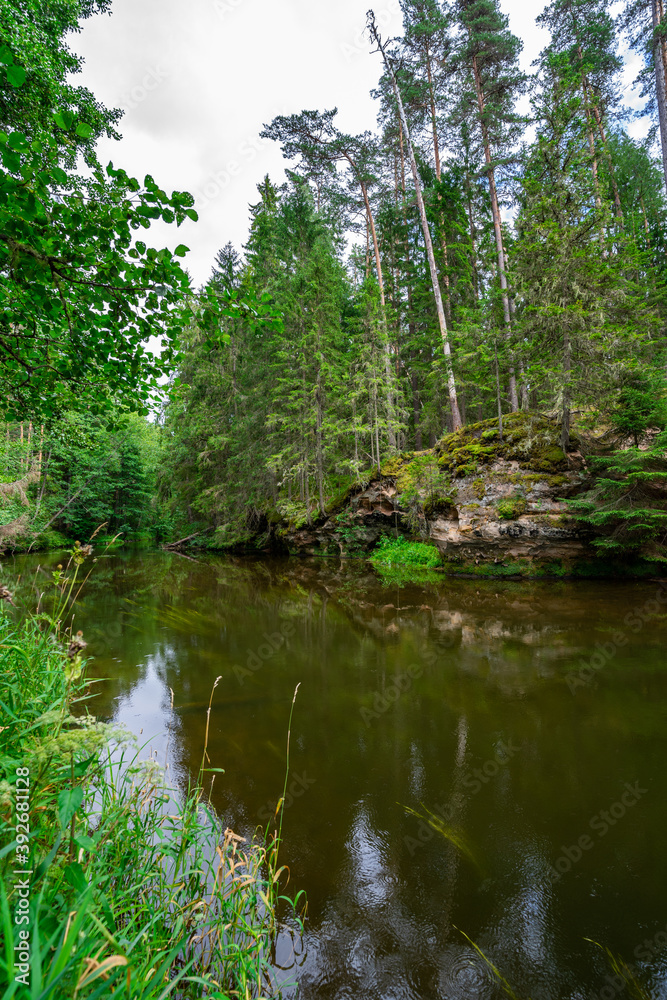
[438, 175]
[660, 62]
[451, 385]
[391, 419]
[567, 366]
[497, 226]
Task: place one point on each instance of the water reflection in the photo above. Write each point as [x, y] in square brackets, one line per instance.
[486, 734]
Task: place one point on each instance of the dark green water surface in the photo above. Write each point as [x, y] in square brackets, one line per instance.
[475, 700]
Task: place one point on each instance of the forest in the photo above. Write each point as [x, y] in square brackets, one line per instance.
[495, 246]
[441, 351]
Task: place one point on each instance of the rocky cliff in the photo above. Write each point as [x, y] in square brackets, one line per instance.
[482, 499]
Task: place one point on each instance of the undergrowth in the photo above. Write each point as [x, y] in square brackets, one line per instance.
[134, 889]
[400, 552]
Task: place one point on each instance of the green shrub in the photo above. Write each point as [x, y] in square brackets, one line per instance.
[510, 508]
[400, 552]
[436, 506]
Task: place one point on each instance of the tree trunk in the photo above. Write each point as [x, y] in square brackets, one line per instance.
[416, 416]
[438, 175]
[42, 490]
[318, 448]
[618, 209]
[378, 266]
[497, 227]
[660, 62]
[377, 429]
[498, 399]
[411, 322]
[456, 417]
[309, 517]
[356, 435]
[565, 420]
[473, 248]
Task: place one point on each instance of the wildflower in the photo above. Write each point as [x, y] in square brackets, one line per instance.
[80, 553]
[76, 646]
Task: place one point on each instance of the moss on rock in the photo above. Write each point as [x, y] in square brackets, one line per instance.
[529, 438]
[439, 507]
[510, 508]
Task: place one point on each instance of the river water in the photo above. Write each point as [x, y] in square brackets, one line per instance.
[526, 721]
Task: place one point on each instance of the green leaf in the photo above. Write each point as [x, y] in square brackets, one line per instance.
[16, 75]
[18, 141]
[181, 250]
[83, 130]
[81, 768]
[75, 876]
[64, 120]
[69, 802]
[86, 843]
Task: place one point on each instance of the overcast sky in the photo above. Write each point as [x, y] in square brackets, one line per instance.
[198, 79]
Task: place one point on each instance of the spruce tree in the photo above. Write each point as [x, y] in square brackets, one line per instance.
[584, 314]
[314, 137]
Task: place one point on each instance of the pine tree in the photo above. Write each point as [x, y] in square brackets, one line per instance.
[315, 138]
[645, 25]
[491, 82]
[582, 31]
[453, 400]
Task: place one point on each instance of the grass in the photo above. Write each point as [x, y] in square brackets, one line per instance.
[400, 552]
[137, 890]
[626, 980]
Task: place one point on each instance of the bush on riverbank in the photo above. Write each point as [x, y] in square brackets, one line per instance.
[400, 552]
[134, 888]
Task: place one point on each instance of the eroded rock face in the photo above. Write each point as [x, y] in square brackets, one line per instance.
[371, 513]
[537, 527]
[482, 538]
[501, 514]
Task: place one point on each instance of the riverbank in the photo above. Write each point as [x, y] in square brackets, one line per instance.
[483, 502]
[111, 879]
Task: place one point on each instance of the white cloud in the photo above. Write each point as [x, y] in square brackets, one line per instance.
[199, 79]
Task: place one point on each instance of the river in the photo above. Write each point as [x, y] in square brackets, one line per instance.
[526, 720]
